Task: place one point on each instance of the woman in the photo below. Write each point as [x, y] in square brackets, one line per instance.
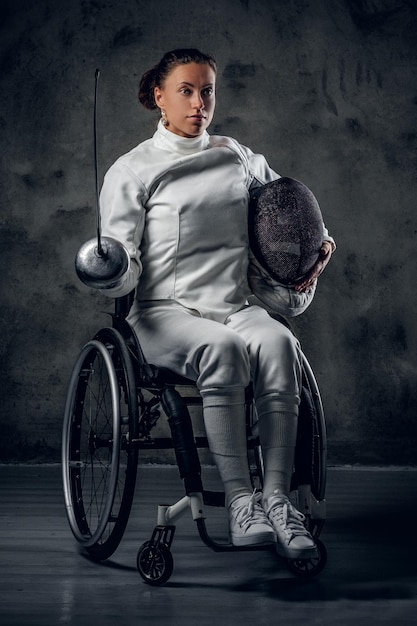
[178, 202]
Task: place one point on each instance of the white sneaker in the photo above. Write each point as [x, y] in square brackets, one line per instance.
[294, 540]
[249, 524]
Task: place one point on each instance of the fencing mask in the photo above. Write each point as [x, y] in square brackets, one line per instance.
[285, 229]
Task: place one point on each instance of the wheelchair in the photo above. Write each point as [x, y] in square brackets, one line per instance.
[114, 401]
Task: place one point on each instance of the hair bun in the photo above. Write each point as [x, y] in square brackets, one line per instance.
[146, 88]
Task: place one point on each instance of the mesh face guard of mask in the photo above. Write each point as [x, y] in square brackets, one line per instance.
[285, 229]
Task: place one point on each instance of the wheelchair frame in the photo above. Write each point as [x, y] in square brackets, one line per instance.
[114, 400]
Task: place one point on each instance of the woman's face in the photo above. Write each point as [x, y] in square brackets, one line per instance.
[188, 99]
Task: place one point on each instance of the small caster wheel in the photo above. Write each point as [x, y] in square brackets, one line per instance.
[308, 568]
[155, 563]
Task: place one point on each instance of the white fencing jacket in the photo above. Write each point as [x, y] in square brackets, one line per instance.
[180, 206]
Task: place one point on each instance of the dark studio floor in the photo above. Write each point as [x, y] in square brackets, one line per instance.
[370, 577]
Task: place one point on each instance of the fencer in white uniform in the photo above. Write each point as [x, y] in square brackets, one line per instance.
[179, 204]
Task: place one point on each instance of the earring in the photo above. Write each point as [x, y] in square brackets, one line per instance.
[164, 118]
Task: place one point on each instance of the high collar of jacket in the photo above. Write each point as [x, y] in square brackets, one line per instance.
[167, 140]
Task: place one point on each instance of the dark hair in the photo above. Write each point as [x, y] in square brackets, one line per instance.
[156, 76]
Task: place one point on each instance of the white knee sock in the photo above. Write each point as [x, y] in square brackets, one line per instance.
[278, 434]
[224, 421]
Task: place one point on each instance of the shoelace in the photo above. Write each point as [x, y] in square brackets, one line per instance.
[287, 516]
[249, 513]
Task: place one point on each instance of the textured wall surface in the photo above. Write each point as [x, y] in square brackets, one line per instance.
[327, 90]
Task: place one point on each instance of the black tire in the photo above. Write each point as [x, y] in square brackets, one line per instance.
[308, 568]
[318, 472]
[155, 563]
[99, 463]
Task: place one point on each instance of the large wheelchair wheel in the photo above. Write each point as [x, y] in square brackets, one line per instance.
[311, 454]
[99, 458]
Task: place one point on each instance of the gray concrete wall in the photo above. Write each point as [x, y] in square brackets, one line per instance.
[327, 90]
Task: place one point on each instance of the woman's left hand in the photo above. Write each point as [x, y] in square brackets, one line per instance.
[310, 278]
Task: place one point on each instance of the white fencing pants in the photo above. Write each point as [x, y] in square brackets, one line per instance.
[222, 359]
